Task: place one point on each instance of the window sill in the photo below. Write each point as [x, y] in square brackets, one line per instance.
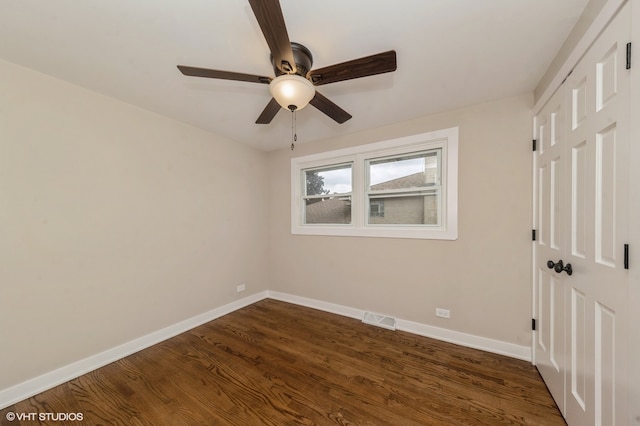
[386, 232]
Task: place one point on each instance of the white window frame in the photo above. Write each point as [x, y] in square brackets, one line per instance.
[402, 192]
[446, 139]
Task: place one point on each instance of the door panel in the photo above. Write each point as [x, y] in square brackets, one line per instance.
[605, 357]
[550, 292]
[606, 197]
[598, 178]
[579, 104]
[579, 350]
[556, 235]
[578, 200]
[582, 213]
[556, 327]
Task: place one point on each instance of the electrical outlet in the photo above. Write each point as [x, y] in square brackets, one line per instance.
[443, 313]
[241, 288]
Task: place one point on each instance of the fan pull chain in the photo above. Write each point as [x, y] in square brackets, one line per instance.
[294, 135]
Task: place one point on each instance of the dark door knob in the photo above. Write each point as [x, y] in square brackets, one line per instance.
[560, 266]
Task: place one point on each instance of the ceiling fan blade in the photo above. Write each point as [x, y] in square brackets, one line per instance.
[362, 67]
[224, 75]
[329, 108]
[269, 112]
[271, 21]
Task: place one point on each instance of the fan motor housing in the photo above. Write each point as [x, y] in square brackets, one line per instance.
[303, 58]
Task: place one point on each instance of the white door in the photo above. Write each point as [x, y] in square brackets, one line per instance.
[550, 246]
[597, 155]
[582, 220]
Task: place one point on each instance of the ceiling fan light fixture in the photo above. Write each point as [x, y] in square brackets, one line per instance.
[292, 91]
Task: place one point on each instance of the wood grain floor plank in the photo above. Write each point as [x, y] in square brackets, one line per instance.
[274, 363]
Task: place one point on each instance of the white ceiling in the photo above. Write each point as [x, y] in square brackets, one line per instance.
[451, 53]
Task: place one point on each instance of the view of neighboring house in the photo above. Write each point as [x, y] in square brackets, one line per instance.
[334, 209]
[418, 206]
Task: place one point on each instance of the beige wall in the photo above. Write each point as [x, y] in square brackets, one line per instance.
[114, 222]
[484, 277]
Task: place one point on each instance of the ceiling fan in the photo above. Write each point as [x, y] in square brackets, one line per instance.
[294, 85]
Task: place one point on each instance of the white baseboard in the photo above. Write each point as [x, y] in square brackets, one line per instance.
[462, 339]
[469, 340]
[61, 375]
[29, 388]
[345, 311]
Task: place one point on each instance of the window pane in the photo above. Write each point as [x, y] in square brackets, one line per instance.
[408, 210]
[330, 180]
[334, 210]
[409, 171]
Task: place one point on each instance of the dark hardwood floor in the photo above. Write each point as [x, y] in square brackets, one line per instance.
[274, 363]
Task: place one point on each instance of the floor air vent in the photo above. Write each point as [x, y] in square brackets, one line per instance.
[379, 320]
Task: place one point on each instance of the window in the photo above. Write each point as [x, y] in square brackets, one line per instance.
[376, 208]
[401, 188]
[409, 186]
[327, 197]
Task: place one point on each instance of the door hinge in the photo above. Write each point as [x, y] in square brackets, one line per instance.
[626, 256]
[534, 144]
[533, 324]
[533, 235]
[629, 55]
[565, 79]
